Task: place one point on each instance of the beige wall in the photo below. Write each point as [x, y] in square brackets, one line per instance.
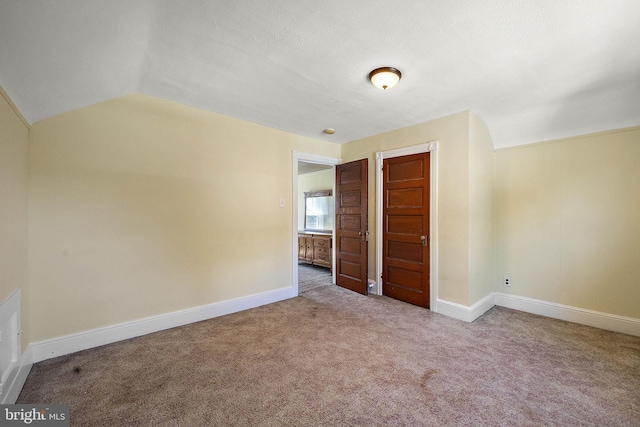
[481, 212]
[140, 207]
[567, 228]
[454, 198]
[313, 181]
[14, 134]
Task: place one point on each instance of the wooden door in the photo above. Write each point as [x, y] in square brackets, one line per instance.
[405, 213]
[351, 226]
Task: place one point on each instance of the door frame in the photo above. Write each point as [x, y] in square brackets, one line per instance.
[321, 160]
[432, 148]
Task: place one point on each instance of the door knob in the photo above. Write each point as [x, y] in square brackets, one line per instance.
[424, 240]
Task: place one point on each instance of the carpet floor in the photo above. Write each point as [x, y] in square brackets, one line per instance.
[335, 358]
[311, 277]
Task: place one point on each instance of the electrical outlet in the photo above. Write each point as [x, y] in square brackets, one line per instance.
[507, 281]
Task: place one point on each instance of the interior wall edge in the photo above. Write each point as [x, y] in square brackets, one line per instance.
[14, 107]
[466, 313]
[570, 138]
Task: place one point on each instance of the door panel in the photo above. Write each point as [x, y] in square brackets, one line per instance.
[351, 246]
[405, 171]
[404, 277]
[404, 251]
[350, 222]
[405, 198]
[351, 199]
[406, 229]
[405, 224]
[351, 226]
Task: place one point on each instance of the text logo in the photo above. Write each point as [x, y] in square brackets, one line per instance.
[34, 415]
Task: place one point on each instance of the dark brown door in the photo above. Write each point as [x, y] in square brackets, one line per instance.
[406, 229]
[351, 226]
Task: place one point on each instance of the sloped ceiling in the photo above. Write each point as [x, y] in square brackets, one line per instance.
[534, 70]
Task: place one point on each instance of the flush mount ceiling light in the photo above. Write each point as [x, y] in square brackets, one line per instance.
[385, 77]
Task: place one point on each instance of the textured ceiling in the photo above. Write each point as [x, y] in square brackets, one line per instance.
[305, 167]
[533, 70]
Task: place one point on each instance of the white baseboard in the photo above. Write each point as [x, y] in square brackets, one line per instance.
[42, 350]
[60, 346]
[610, 322]
[463, 312]
[14, 387]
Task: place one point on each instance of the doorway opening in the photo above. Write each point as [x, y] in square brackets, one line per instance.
[313, 251]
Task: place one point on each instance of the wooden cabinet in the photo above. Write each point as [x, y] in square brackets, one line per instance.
[322, 250]
[305, 248]
[315, 249]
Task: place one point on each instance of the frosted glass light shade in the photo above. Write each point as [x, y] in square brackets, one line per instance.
[385, 77]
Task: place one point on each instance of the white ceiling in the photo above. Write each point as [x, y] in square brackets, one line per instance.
[305, 168]
[532, 69]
